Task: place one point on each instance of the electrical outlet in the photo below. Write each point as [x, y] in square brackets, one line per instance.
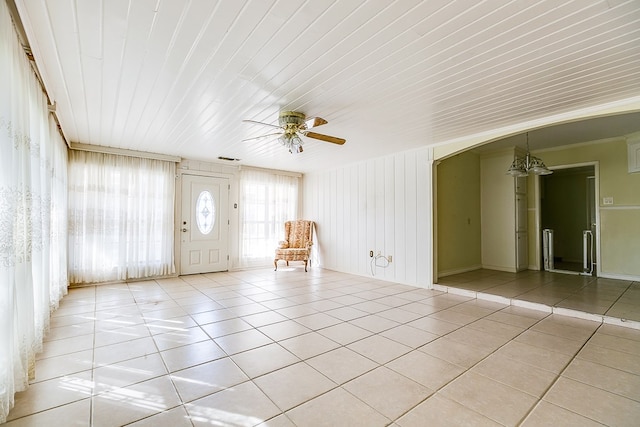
[607, 200]
[370, 254]
[390, 258]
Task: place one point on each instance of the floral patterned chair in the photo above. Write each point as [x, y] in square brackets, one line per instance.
[297, 244]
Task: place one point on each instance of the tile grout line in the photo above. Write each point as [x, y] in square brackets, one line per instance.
[366, 314]
[379, 365]
[572, 358]
[93, 354]
[168, 374]
[471, 367]
[250, 378]
[618, 299]
[564, 369]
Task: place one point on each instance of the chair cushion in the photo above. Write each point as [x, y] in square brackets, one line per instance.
[292, 254]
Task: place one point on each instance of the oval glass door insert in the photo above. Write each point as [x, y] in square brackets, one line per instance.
[205, 212]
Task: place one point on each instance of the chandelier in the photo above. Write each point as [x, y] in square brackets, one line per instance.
[528, 164]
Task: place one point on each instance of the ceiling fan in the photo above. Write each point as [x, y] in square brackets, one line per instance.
[291, 126]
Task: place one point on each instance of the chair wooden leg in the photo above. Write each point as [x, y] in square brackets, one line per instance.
[275, 262]
[305, 265]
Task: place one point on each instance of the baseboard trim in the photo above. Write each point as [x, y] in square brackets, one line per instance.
[619, 276]
[446, 273]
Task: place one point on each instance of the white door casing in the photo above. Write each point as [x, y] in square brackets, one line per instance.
[204, 226]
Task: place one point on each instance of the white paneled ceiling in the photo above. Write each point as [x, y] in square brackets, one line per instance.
[178, 77]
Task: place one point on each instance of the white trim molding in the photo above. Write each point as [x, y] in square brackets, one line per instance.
[633, 152]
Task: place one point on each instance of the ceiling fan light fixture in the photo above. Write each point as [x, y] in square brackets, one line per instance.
[292, 142]
[292, 126]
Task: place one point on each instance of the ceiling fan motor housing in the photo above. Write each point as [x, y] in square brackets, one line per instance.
[291, 118]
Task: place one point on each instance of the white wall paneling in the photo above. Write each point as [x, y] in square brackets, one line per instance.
[382, 205]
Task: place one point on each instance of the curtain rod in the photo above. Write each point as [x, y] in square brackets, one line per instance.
[26, 47]
[124, 152]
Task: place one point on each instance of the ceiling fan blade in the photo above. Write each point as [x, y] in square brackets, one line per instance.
[260, 123]
[313, 122]
[263, 136]
[327, 138]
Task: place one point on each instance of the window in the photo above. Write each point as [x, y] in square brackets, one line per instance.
[120, 217]
[205, 212]
[267, 201]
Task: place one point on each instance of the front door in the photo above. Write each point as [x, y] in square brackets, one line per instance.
[204, 227]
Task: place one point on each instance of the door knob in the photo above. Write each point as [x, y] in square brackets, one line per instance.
[184, 230]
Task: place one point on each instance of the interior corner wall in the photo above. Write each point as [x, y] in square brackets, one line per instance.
[458, 213]
[382, 205]
[497, 210]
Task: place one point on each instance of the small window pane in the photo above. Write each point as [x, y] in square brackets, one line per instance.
[205, 212]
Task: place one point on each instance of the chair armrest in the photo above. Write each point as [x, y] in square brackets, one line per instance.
[283, 244]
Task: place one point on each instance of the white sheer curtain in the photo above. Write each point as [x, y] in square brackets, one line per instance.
[267, 200]
[33, 263]
[120, 217]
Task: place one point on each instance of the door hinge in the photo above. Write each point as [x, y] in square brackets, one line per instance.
[227, 257]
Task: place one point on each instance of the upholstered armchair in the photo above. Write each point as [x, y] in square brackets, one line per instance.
[296, 246]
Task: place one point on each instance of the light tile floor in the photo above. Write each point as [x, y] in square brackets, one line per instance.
[619, 299]
[328, 349]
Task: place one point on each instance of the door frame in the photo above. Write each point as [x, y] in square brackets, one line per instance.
[538, 208]
[178, 213]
